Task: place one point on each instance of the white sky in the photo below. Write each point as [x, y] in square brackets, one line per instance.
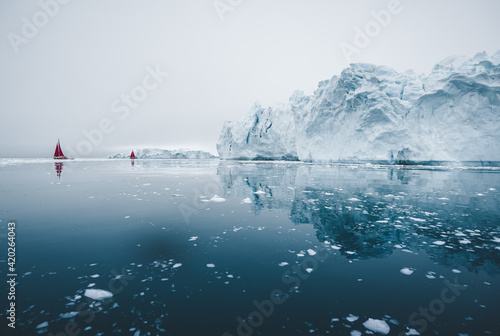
[64, 79]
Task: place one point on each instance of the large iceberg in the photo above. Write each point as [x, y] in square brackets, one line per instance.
[374, 113]
[157, 153]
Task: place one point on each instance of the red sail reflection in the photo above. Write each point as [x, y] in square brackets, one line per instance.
[59, 168]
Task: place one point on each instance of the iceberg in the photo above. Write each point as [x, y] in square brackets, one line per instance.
[158, 153]
[374, 113]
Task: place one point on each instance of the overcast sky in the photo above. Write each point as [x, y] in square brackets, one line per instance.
[102, 64]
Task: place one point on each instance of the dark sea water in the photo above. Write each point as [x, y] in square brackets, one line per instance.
[250, 248]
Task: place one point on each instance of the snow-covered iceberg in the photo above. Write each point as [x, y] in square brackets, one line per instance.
[374, 113]
[157, 153]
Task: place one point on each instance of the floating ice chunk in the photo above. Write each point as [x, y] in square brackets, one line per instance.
[379, 326]
[93, 264]
[444, 199]
[350, 252]
[382, 221]
[356, 333]
[260, 192]
[300, 254]
[43, 325]
[311, 252]
[95, 276]
[417, 219]
[283, 263]
[193, 238]
[491, 189]
[177, 265]
[352, 318]
[230, 276]
[246, 201]
[210, 265]
[217, 199]
[496, 240]
[126, 217]
[464, 241]
[309, 270]
[69, 315]
[439, 242]
[456, 271]
[407, 271]
[354, 199]
[412, 332]
[98, 294]
[336, 247]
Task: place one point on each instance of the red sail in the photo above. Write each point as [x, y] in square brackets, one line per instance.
[58, 153]
[132, 155]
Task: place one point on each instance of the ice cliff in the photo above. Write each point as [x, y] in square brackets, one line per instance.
[157, 153]
[374, 113]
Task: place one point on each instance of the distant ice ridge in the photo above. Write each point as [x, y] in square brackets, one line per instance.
[375, 113]
[157, 153]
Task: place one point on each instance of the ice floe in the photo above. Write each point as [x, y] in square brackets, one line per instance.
[98, 294]
[439, 242]
[407, 271]
[311, 252]
[177, 265]
[283, 263]
[379, 326]
[352, 318]
[246, 201]
[210, 265]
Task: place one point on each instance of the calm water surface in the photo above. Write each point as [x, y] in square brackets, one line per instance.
[250, 248]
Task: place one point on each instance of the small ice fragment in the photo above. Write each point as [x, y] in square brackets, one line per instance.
[94, 276]
[444, 199]
[336, 247]
[352, 318]
[217, 199]
[354, 199]
[43, 325]
[350, 252]
[283, 263]
[417, 219]
[93, 264]
[300, 254]
[126, 217]
[69, 315]
[311, 252]
[456, 271]
[260, 192]
[382, 221]
[496, 240]
[356, 333]
[246, 201]
[210, 265]
[309, 270]
[177, 265]
[464, 241]
[406, 271]
[379, 326]
[230, 276]
[439, 242]
[193, 238]
[98, 294]
[412, 332]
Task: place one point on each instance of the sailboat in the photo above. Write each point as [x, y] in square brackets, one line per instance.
[132, 155]
[58, 154]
